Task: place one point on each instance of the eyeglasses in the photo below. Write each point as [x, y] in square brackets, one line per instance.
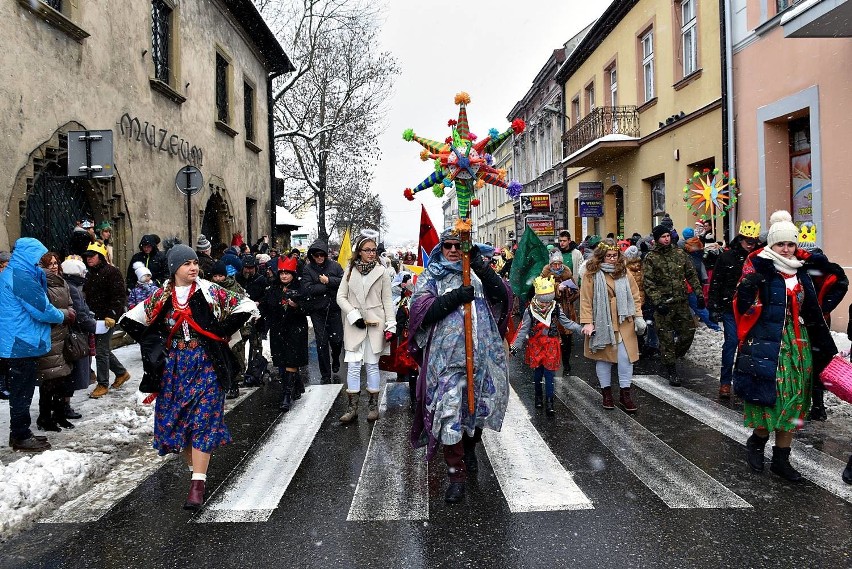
[318, 254]
[449, 246]
[369, 250]
[611, 256]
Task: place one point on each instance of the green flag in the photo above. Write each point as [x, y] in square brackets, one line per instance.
[530, 258]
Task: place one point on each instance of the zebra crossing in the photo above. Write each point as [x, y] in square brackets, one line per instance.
[393, 481]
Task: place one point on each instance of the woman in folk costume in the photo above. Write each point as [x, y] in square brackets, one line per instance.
[190, 321]
[288, 330]
[369, 321]
[611, 311]
[567, 294]
[540, 327]
[783, 340]
[437, 341]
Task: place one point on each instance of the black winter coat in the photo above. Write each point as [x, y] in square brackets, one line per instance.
[156, 262]
[288, 326]
[757, 358]
[726, 275]
[255, 286]
[319, 296]
[105, 292]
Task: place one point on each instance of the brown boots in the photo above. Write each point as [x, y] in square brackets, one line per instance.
[351, 411]
[373, 406]
[195, 498]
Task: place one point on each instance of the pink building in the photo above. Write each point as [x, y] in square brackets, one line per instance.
[791, 64]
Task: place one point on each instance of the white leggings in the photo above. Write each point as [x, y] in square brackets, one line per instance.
[353, 377]
[625, 369]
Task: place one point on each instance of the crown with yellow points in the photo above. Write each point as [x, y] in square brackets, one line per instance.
[544, 285]
[807, 235]
[750, 229]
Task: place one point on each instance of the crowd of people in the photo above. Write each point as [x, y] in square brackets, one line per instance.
[193, 311]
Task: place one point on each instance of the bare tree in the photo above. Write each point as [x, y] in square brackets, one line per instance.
[329, 112]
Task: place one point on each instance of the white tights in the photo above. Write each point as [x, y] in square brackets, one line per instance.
[353, 377]
[625, 369]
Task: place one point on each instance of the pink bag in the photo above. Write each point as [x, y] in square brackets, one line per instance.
[837, 378]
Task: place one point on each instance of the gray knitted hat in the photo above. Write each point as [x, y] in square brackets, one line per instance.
[178, 255]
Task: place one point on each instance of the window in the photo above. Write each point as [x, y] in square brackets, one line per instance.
[251, 220]
[575, 109]
[223, 111]
[648, 65]
[688, 33]
[658, 199]
[613, 87]
[248, 110]
[590, 98]
[161, 39]
[61, 14]
[55, 4]
[781, 5]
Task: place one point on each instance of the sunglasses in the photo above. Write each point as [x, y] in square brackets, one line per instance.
[318, 254]
[449, 246]
[369, 250]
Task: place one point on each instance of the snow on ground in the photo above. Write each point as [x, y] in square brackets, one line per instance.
[114, 429]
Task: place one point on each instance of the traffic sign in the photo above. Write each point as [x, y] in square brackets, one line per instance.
[189, 180]
[90, 153]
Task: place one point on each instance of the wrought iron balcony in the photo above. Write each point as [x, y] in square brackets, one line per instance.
[599, 123]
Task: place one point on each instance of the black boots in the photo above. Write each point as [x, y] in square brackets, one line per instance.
[287, 391]
[455, 493]
[549, 407]
[70, 413]
[754, 452]
[608, 403]
[298, 386]
[672, 376]
[58, 404]
[539, 398]
[847, 472]
[781, 464]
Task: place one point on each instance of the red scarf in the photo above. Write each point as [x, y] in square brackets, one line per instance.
[182, 313]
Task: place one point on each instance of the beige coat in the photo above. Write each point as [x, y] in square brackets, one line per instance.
[368, 298]
[628, 333]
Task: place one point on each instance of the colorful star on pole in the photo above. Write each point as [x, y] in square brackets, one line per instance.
[710, 194]
[462, 161]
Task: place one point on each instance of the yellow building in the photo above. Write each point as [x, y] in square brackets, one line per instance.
[643, 111]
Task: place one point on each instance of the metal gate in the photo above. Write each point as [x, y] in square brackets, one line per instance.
[54, 206]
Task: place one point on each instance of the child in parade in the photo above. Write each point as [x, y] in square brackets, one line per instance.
[144, 288]
[539, 328]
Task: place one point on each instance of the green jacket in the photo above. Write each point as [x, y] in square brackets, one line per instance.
[664, 271]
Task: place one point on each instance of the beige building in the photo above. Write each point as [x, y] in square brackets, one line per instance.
[494, 218]
[791, 83]
[176, 83]
[642, 99]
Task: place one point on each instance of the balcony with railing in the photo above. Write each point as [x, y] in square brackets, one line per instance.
[601, 136]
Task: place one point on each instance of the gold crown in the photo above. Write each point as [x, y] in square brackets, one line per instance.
[544, 285]
[750, 229]
[606, 247]
[807, 233]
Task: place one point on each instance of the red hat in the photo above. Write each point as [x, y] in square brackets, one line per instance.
[288, 264]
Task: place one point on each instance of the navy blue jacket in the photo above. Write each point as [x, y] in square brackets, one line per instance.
[757, 358]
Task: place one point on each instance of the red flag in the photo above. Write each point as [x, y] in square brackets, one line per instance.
[428, 238]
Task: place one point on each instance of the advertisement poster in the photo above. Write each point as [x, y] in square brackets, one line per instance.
[800, 168]
[542, 225]
[591, 199]
[535, 203]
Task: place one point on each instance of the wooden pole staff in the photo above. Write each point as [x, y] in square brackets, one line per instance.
[464, 237]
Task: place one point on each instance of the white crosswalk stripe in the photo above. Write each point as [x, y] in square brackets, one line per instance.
[253, 491]
[531, 477]
[818, 467]
[392, 484]
[667, 473]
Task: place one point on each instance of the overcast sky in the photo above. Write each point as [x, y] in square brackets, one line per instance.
[508, 43]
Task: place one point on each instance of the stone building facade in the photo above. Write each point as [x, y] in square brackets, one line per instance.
[176, 83]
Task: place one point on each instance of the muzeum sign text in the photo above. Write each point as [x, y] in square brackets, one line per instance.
[159, 139]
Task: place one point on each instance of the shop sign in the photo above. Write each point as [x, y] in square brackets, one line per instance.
[159, 139]
[542, 225]
[535, 203]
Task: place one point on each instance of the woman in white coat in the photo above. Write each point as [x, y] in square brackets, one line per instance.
[369, 321]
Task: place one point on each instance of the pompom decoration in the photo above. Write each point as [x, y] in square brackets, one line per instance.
[452, 122]
[462, 98]
[409, 195]
[449, 140]
[448, 182]
[780, 215]
[493, 132]
[424, 155]
[471, 137]
[480, 184]
[710, 194]
[489, 159]
[438, 191]
[514, 190]
[408, 134]
[474, 202]
[518, 125]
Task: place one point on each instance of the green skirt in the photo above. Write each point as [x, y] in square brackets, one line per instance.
[792, 386]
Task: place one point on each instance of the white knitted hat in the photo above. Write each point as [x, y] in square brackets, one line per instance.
[781, 228]
[141, 270]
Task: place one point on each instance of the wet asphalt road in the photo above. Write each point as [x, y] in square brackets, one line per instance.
[630, 526]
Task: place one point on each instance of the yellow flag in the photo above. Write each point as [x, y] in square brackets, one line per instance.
[345, 249]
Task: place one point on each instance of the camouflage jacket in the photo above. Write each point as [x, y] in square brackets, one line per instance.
[664, 271]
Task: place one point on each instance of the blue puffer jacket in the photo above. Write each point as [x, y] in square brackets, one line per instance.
[757, 358]
[25, 311]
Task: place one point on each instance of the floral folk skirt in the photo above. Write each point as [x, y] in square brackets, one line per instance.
[190, 408]
[792, 386]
